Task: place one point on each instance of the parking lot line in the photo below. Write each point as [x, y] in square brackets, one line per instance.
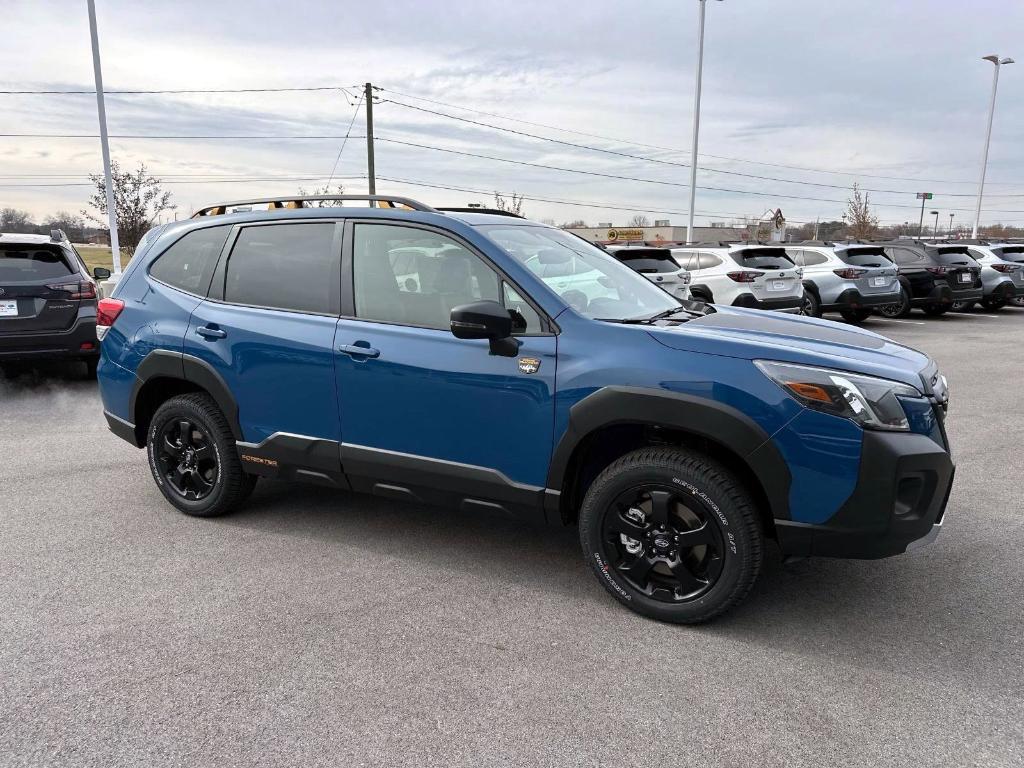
[894, 320]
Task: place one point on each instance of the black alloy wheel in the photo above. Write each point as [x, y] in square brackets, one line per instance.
[900, 308]
[187, 459]
[663, 542]
[810, 306]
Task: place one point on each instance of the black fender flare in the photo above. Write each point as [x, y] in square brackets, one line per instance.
[810, 285]
[698, 416]
[701, 288]
[164, 363]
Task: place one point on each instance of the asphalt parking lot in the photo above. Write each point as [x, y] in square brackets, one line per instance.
[319, 628]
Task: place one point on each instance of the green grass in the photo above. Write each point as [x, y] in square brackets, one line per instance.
[99, 256]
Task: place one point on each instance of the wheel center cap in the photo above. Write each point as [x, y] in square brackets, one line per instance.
[662, 543]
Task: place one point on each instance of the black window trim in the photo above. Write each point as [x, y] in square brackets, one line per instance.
[348, 312]
[220, 258]
[218, 280]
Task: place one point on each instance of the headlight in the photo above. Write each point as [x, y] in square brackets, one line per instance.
[869, 401]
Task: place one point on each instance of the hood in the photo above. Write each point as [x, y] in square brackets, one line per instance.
[754, 334]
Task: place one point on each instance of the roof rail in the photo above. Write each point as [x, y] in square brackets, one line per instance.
[58, 236]
[296, 201]
[492, 211]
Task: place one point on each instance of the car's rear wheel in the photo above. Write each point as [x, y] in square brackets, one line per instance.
[671, 534]
[193, 458]
[934, 310]
[855, 316]
[900, 308]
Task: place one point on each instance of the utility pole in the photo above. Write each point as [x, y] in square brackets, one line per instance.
[370, 173]
[988, 135]
[115, 246]
[696, 121]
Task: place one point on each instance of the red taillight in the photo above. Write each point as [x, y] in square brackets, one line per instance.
[84, 290]
[1005, 267]
[107, 311]
[745, 276]
[938, 270]
[850, 273]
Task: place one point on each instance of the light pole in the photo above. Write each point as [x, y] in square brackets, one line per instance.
[950, 233]
[936, 230]
[115, 248]
[696, 121]
[997, 62]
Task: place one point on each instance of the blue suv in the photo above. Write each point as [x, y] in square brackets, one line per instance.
[499, 365]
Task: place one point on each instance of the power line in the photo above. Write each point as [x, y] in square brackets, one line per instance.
[172, 91]
[667, 162]
[677, 149]
[344, 141]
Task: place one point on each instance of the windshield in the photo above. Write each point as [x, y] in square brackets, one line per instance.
[591, 281]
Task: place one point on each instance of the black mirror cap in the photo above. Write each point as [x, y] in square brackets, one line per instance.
[481, 320]
[101, 273]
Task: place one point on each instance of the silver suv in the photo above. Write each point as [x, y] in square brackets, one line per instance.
[1002, 274]
[657, 265]
[754, 276]
[848, 278]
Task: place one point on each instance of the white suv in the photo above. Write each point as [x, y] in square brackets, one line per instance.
[848, 278]
[657, 265]
[754, 276]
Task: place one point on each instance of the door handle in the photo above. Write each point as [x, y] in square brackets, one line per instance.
[211, 333]
[356, 350]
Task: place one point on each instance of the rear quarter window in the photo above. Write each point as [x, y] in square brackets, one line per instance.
[25, 263]
[189, 263]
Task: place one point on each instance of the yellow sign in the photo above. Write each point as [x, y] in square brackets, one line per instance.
[625, 234]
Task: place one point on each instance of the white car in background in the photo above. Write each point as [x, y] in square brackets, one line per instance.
[1002, 272]
[657, 265]
[756, 276]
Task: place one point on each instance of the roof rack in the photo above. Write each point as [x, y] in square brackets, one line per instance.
[296, 201]
[492, 211]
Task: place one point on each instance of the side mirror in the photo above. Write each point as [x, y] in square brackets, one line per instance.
[485, 320]
[100, 273]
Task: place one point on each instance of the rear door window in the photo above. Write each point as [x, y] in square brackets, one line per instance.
[189, 263]
[763, 258]
[295, 267]
[707, 260]
[810, 258]
[864, 257]
[31, 263]
[647, 260]
[907, 257]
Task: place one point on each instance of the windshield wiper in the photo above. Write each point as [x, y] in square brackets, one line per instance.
[648, 320]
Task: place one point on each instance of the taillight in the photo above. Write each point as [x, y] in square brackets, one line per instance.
[744, 276]
[107, 311]
[850, 273]
[1005, 267]
[938, 270]
[84, 290]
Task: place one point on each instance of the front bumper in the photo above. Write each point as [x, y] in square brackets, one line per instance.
[749, 301]
[899, 501]
[78, 341]
[852, 298]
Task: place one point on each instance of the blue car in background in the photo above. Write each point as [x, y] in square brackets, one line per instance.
[491, 363]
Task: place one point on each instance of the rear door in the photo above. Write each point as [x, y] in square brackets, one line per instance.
[268, 326]
[40, 289]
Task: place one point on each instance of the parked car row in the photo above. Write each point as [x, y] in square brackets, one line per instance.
[853, 278]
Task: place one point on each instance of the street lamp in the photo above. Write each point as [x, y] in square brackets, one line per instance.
[696, 121]
[950, 225]
[997, 62]
[936, 230]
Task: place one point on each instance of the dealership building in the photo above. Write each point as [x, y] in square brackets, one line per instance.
[662, 231]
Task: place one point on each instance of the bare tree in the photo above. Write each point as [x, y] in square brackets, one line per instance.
[13, 220]
[639, 220]
[514, 204]
[861, 222]
[325, 190]
[138, 201]
[72, 224]
[574, 224]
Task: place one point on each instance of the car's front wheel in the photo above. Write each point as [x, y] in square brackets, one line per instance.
[671, 534]
[811, 305]
[993, 304]
[193, 458]
[961, 306]
[900, 308]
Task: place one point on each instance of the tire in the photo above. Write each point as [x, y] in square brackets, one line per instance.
[855, 316]
[899, 309]
[198, 469]
[1017, 301]
[936, 310]
[811, 306]
[90, 367]
[701, 502]
[961, 306]
[993, 304]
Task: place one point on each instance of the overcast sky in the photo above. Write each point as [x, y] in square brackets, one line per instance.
[871, 89]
